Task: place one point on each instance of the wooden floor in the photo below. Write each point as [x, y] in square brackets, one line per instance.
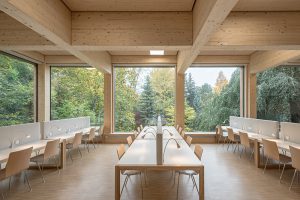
[92, 177]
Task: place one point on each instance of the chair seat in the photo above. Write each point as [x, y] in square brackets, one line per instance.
[131, 172]
[2, 174]
[187, 172]
[38, 158]
[284, 158]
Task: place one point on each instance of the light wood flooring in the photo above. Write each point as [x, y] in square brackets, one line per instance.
[227, 177]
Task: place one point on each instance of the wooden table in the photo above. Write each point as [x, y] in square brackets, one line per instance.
[141, 155]
[257, 140]
[64, 139]
[37, 146]
[166, 135]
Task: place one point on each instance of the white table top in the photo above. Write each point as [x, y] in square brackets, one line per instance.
[149, 133]
[38, 145]
[143, 153]
[71, 135]
[280, 143]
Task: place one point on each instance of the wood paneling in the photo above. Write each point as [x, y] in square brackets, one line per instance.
[207, 16]
[131, 28]
[144, 59]
[258, 29]
[139, 53]
[267, 5]
[222, 60]
[130, 5]
[63, 60]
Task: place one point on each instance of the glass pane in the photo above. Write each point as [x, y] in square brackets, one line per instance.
[278, 94]
[141, 94]
[212, 94]
[17, 91]
[77, 92]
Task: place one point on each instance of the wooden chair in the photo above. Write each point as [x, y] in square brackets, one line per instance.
[89, 138]
[177, 127]
[245, 142]
[139, 130]
[75, 145]
[135, 134]
[183, 134]
[51, 151]
[191, 173]
[189, 140]
[17, 163]
[295, 155]
[232, 139]
[141, 126]
[180, 130]
[222, 135]
[271, 152]
[129, 140]
[128, 173]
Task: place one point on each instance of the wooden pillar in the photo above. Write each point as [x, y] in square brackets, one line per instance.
[43, 105]
[108, 103]
[251, 94]
[179, 111]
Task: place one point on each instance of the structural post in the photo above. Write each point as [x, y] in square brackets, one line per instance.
[179, 110]
[251, 93]
[108, 103]
[43, 104]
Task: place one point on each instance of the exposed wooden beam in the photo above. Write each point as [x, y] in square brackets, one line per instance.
[144, 59]
[260, 61]
[39, 16]
[207, 16]
[222, 60]
[257, 30]
[63, 60]
[131, 29]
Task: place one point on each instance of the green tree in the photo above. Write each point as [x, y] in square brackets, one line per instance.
[190, 90]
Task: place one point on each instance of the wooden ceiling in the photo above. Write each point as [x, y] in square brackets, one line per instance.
[267, 5]
[130, 5]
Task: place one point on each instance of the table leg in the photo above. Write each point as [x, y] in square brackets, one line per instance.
[201, 183]
[117, 183]
[256, 153]
[63, 155]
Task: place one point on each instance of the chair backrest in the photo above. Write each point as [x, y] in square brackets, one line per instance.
[18, 161]
[92, 134]
[135, 134]
[189, 140]
[220, 130]
[179, 130]
[129, 140]
[51, 148]
[198, 151]
[230, 134]
[101, 131]
[141, 126]
[295, 154]
[77, 139]
[182, 134]
[244, 139]
[177, 127]
[120, 151]
[138, 129]
[270, 149]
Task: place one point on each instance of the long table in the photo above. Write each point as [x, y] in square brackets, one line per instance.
[257, 140]
[141, 155]
[149, 132]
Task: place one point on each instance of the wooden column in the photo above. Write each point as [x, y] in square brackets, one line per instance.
[179, 110]
[251, 95]
[43, 105]
[108, 103]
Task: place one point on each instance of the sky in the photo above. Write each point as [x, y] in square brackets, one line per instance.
[209, 75]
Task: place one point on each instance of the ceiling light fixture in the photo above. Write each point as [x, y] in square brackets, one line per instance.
[157, 52]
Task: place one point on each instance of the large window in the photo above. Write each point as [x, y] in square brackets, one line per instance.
[141, 94]
[278, 94]
[17, 91]
[212, 94]
[77, 92]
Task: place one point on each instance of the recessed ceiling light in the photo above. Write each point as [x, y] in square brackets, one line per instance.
[157, 52]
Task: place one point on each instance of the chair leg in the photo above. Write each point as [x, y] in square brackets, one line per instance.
[93, 144]
[56, 162]
[125, 182]
[243, 149]
[141, 184]
[70, 155]
[293, 179]
[236, 145]
[9, 183]
[251, 155]
[282, 172]
[266, 165]
[228, 144]
[26, 179]
[78, 149]
[178, 184]
[195, 184]
[40, 169]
